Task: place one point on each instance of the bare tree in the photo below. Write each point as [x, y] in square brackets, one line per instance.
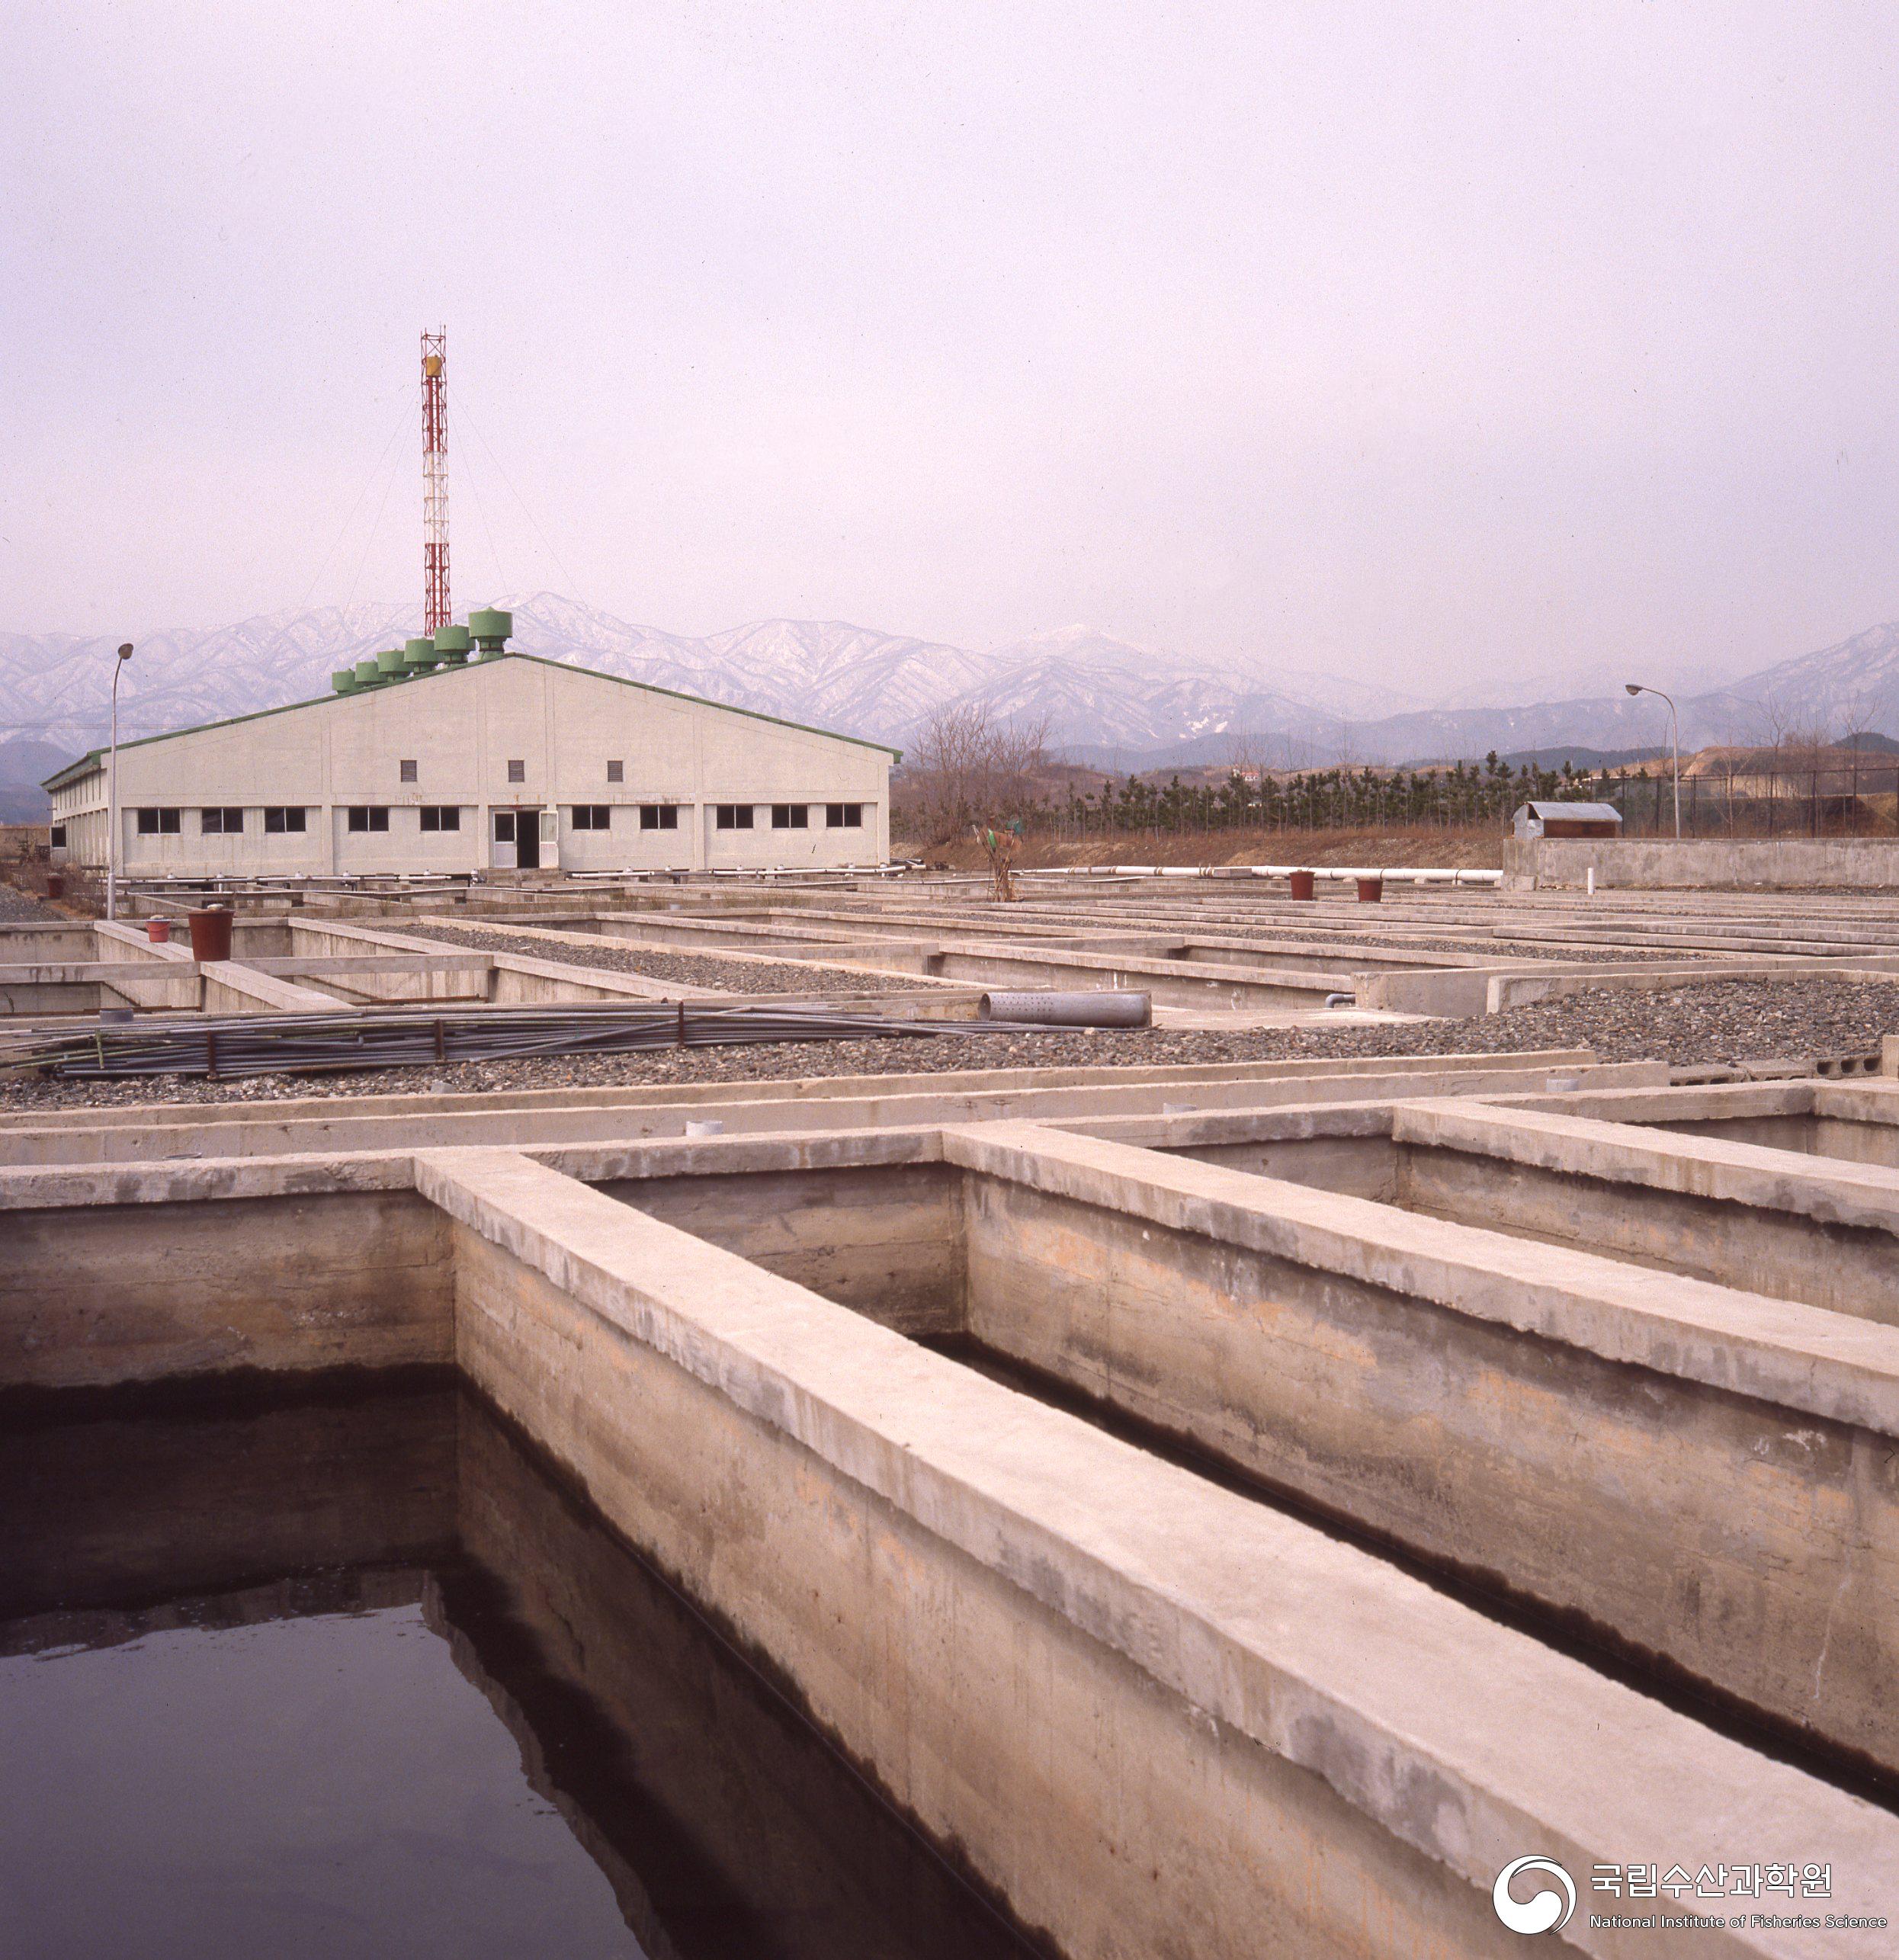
[966, 766]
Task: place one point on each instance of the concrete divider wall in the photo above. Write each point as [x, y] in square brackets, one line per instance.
[1588, 1454]
[389, 1123]
[635, 1095]
[886, 1241]
[1822, 1231]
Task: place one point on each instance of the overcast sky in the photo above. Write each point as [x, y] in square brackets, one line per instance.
[1426, 343]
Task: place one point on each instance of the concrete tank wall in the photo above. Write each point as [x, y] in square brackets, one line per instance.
[145, 1291]
[1860, 864]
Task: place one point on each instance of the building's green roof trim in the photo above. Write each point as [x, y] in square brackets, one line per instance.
[92, 758]
[73, 772]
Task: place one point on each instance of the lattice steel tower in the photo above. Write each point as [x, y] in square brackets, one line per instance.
[434, 480]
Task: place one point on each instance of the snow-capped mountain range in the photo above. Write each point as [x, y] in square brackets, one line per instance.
[1105, 701]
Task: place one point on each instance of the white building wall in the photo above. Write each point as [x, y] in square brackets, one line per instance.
[462, 729]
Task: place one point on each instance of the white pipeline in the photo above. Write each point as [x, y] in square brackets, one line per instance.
[1397, 874]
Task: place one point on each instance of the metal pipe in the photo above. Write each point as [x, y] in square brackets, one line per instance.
[1102, 1008]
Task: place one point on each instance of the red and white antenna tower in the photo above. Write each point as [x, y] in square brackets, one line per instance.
[434, 480]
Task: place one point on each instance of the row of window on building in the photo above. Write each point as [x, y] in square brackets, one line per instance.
[292, 819]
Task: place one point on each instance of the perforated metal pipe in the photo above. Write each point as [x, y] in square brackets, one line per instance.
[1102, 1008]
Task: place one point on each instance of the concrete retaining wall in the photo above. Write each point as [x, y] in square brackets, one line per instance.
[1860, 864]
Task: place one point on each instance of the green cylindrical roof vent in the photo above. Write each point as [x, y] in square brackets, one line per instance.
[451, 643]
[369, 674]
[419, 655]
[343, 681]
[389, 663]
[491, 630]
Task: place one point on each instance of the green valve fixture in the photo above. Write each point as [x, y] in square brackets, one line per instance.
[389, 663]
[491, 630]
[419, 655]
[451, 643]
[344, 681]
[369, 674]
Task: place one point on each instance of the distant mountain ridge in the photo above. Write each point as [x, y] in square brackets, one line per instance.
[828, 673]
[1106, 702]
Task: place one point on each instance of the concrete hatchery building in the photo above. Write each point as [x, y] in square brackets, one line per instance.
[427, 760]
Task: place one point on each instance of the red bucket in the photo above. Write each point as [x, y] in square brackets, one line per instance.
[211, 933]
[158, 931]
[1304, 884]
[55, 885]
[1371, 890]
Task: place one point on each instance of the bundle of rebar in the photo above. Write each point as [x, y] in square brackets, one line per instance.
[225, 1047]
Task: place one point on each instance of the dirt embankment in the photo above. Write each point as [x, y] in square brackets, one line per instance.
[1474, 848]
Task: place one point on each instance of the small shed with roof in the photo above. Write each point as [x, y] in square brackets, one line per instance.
[1568, 820]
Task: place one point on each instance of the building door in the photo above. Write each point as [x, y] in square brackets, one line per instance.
[526, 839]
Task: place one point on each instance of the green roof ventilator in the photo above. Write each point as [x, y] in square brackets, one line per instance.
[419, 655]
[491, 630]
[451, 643]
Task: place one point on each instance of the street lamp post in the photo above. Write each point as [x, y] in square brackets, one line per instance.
[112, 794]
[1674, 743]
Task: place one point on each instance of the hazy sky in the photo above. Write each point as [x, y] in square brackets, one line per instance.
[1422, 343]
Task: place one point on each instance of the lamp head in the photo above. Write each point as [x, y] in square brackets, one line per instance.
[125, 652]
[1632, 687]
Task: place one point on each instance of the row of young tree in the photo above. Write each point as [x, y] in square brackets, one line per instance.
[1334, 798]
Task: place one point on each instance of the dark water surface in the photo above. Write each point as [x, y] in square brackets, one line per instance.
[353, 1677]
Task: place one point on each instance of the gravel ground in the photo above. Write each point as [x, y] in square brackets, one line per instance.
[19, 908]
[682, 969]
[1723, 1020]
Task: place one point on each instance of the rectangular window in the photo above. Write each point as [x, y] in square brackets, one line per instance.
[732, 817]
[843, 816]
[616, 772]
[441, 817]
[504, 826]
[517, 772]
[59, 836]
[593, 816]
[790, 816]
[408, 771]
[363, 816]
[277, 823]
[659, 816]
[158, 822]
[220, 822]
